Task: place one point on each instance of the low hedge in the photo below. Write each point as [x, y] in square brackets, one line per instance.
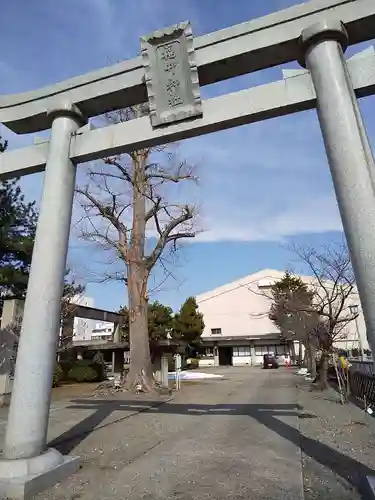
[82, 370]
[83, 373]
[191, 364]
[58, 375]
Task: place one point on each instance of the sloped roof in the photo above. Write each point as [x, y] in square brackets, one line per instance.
[262, 274]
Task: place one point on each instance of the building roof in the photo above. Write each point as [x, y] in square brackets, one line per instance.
[267, 276]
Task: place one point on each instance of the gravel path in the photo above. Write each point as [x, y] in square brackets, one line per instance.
[338, 445]
[256, 434]
[221, 439]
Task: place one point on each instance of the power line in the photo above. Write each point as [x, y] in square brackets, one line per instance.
[243, 285]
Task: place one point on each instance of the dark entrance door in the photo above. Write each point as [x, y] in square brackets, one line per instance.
[225, 355]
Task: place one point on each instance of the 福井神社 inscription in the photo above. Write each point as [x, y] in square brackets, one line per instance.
[169, 55]
[171, 75]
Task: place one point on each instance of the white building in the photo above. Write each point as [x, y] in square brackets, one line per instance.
[238, 330]
[82, 327]
[103, 331]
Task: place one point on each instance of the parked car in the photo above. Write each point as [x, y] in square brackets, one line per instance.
[270, 361]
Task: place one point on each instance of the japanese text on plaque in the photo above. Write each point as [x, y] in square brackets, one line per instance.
[169, 54]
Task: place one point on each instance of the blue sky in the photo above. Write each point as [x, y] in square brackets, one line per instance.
[261, 187]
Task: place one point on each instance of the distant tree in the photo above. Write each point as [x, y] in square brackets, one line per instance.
[188, 324]
[18, 220]
[125, 324]
[333, 289]
[291, 311]
[71, 291]
[159, 320]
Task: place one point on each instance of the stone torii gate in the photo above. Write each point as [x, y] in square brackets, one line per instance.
[169, 75]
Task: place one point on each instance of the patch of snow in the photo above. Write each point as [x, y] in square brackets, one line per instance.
[193, 375]
[302, 371]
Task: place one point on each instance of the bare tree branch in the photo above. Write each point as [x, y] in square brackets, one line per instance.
[333, 287]
[167, 235]
[128, 203]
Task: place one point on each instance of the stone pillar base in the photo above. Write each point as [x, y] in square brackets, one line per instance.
[164, 371]
[21, 479]
[157, 369]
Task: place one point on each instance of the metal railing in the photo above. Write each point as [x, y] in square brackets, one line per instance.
[366, 367]
[362, 386]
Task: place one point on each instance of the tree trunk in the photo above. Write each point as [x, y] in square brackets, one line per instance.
[305, 361]
[308, 357]
[313, 362]
[323, 373]
[300, 353]
[67, 331]
[140, 376]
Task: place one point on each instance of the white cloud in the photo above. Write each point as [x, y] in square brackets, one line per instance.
[317, 215]
[265, 181]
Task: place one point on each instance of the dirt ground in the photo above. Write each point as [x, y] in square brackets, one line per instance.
[71, 391]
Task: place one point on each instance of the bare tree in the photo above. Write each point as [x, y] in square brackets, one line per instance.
[333, 289]
[291, 311]
[127, 209]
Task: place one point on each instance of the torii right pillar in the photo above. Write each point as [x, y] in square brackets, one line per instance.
[349, 153]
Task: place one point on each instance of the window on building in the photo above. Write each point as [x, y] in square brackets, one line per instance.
[280, 350]
[215, 331]
[209, 352]
[241, 351]
[260, 350]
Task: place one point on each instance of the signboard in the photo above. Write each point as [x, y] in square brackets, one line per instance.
[171, 75]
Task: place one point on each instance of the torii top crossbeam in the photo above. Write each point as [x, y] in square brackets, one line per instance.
[237, 50]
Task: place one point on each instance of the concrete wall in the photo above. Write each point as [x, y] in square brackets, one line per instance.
[82, 327]
[241, 360]
[206, 362]
[239, 309]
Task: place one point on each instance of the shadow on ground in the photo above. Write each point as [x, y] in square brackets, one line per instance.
[346, 467]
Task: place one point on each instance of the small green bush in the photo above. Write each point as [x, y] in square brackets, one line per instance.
[191, 364]
[58, 375]
[83, 373]
[65, 365]
[69, 365]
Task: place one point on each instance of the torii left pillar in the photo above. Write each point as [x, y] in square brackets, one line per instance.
[26, 465]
